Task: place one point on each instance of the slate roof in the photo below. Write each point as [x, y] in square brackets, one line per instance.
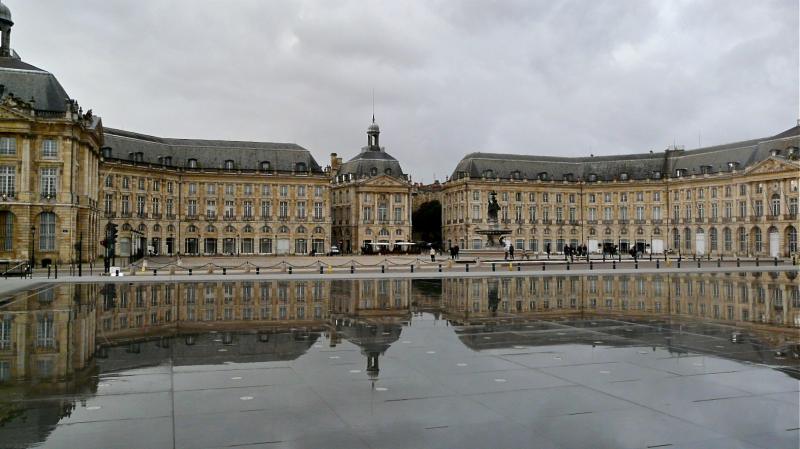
[210, 154]
[636, 166]
[363, 163]
[26, 81]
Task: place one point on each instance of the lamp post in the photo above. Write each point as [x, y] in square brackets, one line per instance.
[33, 248]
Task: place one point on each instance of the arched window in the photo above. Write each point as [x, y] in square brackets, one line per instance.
[712, 235]
[192, 163]
[230, 228]
[623, 176]
[301, 230]
[47, 231]
[284, 229]
[676, 239]
[191, 228]
[126, 227]
[384, 232]
[211, 229]
[266, 229]
[791, 238]
[247, 229]
[776, 205]
[171, 228]
[388, 171]
[373, 171]
[142, 228]
[488, 174]
[727, 239]
[156, 228]
[742, 240]
[687, 239]
[318, 230]
[758, 243]
[6, 231]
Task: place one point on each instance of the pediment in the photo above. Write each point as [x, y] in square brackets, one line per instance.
[384, 180]
[10, 110]
[772, 165]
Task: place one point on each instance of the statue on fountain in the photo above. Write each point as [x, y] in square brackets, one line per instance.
[493, 207]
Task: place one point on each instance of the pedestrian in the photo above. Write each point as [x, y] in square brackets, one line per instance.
[433, 255]
[505, 256]
[511, 251]
[457, 250]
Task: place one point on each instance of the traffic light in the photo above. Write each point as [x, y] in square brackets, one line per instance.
[112, 235]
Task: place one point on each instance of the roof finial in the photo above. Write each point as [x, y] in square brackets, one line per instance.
[373, 105]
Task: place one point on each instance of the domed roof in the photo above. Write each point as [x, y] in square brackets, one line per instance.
[5, 14]
[373, 128]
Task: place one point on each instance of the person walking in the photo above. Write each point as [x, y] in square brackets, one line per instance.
[511, 251]
[433, 255]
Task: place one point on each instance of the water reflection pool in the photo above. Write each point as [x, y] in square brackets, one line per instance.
[699, 361]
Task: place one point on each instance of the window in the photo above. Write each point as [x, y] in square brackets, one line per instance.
[6, 231]
[8, 180]
[192, 188]
[301, 209]
[266, 208]
[192, 163]
[49, 148]
[191, 208]
[228, 165]
[230, 209]
[300, 166]
[47, 231]
[49, 181]
[230, 189]
[248, 209]
[284, 190]
[776, 205]
[265, 166]
[283, 209]
[318, 210]
[8, 146]
[301, 191]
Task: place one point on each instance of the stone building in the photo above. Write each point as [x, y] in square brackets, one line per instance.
[210, 197]
[371, 198]
[738, 198]
[49, 156]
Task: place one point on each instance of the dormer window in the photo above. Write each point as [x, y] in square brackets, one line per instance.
[388, 171]
[265, 166]
[543, 176]
[592, 177]
[373, 171]
[516, 174]
[733, 166]
[106, 152]
[623, 176]
[228, 165]
[680, 172]
[656, 174]
[488, 174]
[705, 169]
[569, 177]
[774, 152]
[300, 166]
[139, 157]
[167, 160]
[192, 163]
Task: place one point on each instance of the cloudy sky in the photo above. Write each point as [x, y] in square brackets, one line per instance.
[450, 77]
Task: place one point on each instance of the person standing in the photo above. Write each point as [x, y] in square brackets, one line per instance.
[433, 255]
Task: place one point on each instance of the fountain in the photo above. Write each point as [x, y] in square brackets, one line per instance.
[494, 235]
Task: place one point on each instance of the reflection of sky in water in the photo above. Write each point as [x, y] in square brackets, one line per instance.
[398, 363]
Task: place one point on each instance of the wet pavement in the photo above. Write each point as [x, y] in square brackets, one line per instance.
[402, 367]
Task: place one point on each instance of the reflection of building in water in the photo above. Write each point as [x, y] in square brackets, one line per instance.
[47, 339]
[370, 297]
[742, 297]
[372, 335]
[129, 309]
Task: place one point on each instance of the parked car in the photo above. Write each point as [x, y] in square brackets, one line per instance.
[334, 251]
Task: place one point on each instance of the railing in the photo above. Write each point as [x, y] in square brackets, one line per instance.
[319, 219]
[192, 216]
[608, 222]
[248, 218]
[141, 215]
[657, 221]
[266, 217]
[170, 216]
[547, 221]
[125, 215]
[156, 216]
[699, 220]
[790, 216]
[229, 217]
[591, 222]
[639, 221]
[8, 195]
[110, 214]
[623, 221]
[726, 219]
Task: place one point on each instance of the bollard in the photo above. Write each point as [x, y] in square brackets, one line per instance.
[321, 270]
[224, 271]
[48, 272]
[757, 261]
[56, 271]
[155, 273]
[719, 262]
[493, 267]
[412, 267]
[544, 267]
[117, 272]
[591, 265]
[679, 262]
[613, 264]
[290, 269]
[466, 268]
[792, 260]
[519, 267]
[738, 263]
[352, 269]
[440, 268]
[657, 264]
[636, 265]
[510, 267]
[567, 266]
[776, 261]
[698, 263]
[383, 269]
[709, 257]
[258, 270]
[604, 257]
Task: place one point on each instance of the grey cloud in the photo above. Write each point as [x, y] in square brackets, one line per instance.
[450, 77]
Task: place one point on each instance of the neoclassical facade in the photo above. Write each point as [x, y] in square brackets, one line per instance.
[371, 199]
[208, 197]
[734, 199]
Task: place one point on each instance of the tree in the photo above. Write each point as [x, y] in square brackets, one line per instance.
[427, 222]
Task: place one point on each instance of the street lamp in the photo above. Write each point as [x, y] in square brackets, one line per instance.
[33, 248]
